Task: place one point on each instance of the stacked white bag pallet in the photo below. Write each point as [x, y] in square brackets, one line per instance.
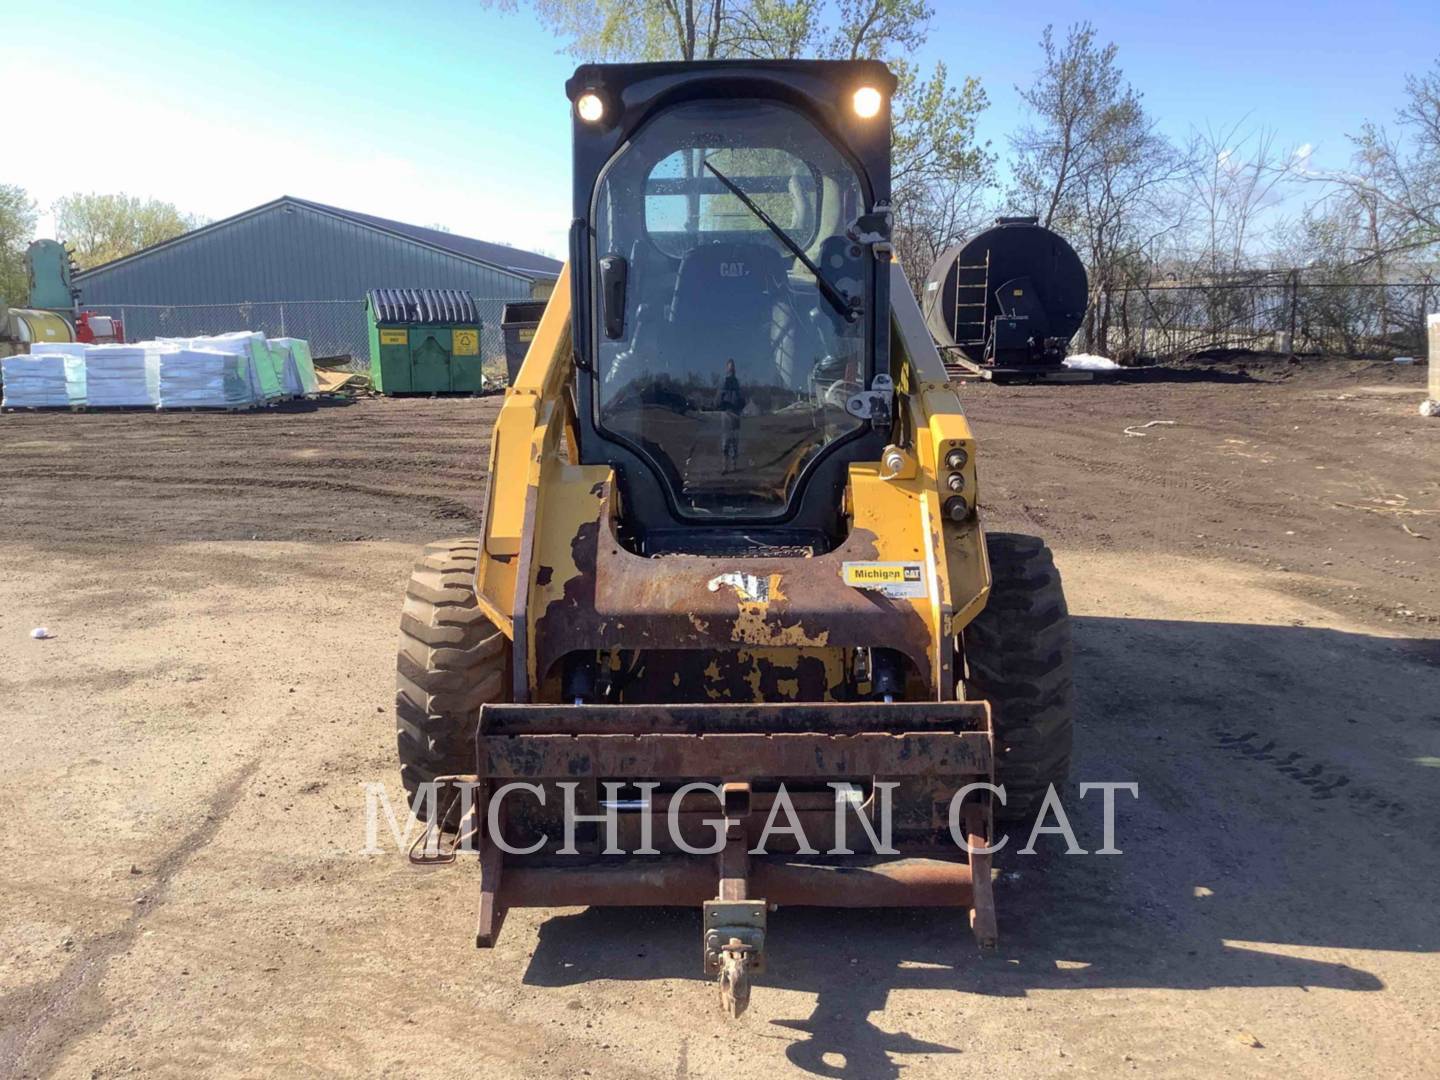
[48, 380]
[226, 371]
[255, 353]
[123, 375]
[252, 344]
[200, 378]
[240, 362]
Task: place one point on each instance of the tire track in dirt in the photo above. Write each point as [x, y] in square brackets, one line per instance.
[53, 1016]
[1322, 779]
[227, 482]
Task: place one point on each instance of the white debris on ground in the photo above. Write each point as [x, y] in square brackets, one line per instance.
[238, 370]
[40, 633]
[1090, 362]
[1430, 408]
[1138, 430]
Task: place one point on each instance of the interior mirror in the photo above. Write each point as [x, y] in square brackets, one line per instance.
[613, 274]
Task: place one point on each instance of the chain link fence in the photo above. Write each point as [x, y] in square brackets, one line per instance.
[335, 329]
[1281, 312]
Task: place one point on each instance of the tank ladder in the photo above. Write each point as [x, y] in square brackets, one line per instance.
[971, 297]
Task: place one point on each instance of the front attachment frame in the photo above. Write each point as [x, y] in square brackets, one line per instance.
[938, 746]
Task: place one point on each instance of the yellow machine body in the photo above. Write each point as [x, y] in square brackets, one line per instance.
[541, 502]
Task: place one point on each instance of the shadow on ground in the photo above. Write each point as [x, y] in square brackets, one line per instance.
[1267, 757]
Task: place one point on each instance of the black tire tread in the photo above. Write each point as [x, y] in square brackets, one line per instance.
[451, 660]
[1018, 657]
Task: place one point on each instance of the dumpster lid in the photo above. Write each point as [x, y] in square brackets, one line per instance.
[455, 306]
[522, 312]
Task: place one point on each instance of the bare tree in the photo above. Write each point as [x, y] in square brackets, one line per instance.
[1397, 174]
[1076, 96]
[937, 214]
[1232, 178]
[1119, 211]
[1093, 166]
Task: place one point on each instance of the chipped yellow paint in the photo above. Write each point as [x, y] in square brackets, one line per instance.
[701, 625]
[753, 678]
[751, 629]
[789, 688]
[569, 500]
[776, 594]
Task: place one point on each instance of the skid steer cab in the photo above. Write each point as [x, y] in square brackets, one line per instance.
[733, 636]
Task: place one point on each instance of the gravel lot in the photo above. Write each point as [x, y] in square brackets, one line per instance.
[1258, 630]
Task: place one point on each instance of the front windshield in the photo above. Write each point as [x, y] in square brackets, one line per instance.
[729, 364]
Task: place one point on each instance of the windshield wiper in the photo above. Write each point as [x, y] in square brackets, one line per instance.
[838, 300]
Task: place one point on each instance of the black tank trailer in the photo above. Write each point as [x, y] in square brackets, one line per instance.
[1004, 304]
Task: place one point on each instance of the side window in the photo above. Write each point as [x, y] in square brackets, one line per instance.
[686, 205]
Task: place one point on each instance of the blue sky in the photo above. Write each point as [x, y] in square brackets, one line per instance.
[455, 114]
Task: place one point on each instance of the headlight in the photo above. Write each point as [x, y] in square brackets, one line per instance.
[867, 102]
[590, 107]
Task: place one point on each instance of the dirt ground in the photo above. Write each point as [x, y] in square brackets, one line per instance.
[1258, 633]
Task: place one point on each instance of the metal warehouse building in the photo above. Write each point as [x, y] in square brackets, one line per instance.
[299, 268]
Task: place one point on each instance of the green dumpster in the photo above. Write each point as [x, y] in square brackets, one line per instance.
[424, 341]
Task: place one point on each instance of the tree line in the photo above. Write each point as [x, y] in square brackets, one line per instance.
[1188, 225]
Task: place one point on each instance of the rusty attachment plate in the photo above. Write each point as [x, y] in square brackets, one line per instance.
[529, 742]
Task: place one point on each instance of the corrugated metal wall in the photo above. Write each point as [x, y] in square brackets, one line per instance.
[289, 253]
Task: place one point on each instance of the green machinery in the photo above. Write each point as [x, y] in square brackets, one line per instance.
[424, 341]
[49, 266]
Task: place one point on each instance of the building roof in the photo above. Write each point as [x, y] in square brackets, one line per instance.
[503, 256]
[512, 260]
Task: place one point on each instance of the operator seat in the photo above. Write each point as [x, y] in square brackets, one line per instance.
[731, 302]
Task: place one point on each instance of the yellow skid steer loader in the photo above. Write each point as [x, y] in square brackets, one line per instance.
[733, 636]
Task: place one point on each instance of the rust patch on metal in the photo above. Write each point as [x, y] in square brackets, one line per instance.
[617, 599]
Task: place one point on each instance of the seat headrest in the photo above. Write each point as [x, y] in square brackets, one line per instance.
[715, 273]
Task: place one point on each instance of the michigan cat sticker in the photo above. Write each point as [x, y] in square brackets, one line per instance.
[897, 580]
